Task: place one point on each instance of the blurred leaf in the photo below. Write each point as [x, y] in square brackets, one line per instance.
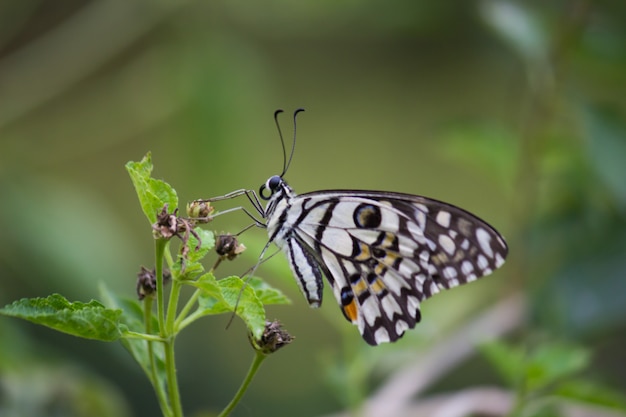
[551, 362]
[91, 320]
[153, 194]
[78, 236]
[38, 389]
[592, 393]
[133, 318]
[508, 360]
[605, 134]
[542, 366]
[224, 295]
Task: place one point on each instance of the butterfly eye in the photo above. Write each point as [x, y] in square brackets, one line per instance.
[272, 185]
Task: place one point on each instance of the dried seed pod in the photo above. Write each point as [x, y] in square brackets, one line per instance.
[274, 337]
[227, 246]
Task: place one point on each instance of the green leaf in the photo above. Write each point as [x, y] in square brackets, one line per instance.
[193, 267]
[153, 194]
[547, 364]
[133, 318]
[88, 320]
[553, 361]
[222, 296]
[509, 361]
[207, 243]
[592, 393]
[266, 293]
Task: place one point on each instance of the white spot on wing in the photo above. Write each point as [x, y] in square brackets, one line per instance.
[420, 217]
[447, 244]
[467, 267]
[408, 267]
[370, 310]
[484, 240]
[449, 272]
[413, 304]
[401, 326]
[420, 278]
[381, 335]
[499, 260]
[395, 285]
[482, 262]
[443, 218]
[390, 305]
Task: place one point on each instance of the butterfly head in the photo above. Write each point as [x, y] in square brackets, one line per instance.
[273, 185]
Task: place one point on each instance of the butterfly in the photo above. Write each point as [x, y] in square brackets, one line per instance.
[383, 253]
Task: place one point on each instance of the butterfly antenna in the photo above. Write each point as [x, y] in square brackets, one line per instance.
[282, 141]
[293, 145]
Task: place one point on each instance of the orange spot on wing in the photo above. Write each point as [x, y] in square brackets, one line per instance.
[351, 311]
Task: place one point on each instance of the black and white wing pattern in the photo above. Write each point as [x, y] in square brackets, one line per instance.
[383, 253]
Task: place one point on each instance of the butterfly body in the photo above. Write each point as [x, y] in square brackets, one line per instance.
[382, 252]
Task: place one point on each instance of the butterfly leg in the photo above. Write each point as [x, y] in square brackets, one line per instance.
[252, 197]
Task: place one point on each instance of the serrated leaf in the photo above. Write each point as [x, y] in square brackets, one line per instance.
[207, 239]
[88, 320]
[153, 194]
[266, 293]
[222, 296]
[193, 267]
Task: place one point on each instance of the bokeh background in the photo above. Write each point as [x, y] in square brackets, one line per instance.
[513, 110]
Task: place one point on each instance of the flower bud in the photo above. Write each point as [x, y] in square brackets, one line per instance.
[200, 211]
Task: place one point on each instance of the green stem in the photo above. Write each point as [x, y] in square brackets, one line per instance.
[166, 328]
[158, 388]
[188, 320]
[254, 367]
[172, 382]
[129, 334]
[172, 307]
[159, 249]
[184, 312]
[170, 363]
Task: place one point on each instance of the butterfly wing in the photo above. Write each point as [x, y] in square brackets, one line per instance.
[384, 253]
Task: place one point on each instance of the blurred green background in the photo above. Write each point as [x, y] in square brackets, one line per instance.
[512, 110]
